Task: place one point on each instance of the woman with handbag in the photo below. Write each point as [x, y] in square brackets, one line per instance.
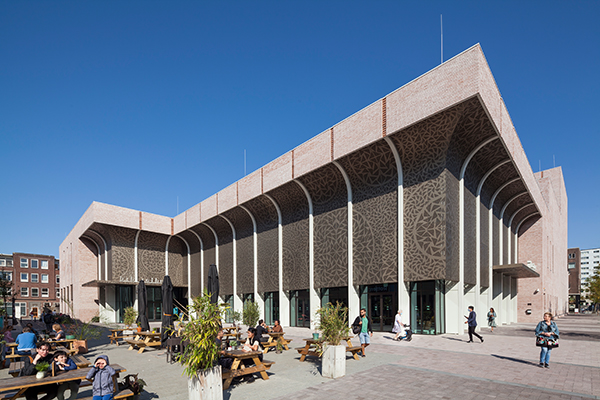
[491, 319]
[546, 336]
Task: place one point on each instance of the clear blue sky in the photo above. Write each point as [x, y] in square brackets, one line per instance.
[140, 103]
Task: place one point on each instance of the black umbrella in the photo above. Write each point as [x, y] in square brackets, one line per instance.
[142, 319]
[167, 308]
[213, 283]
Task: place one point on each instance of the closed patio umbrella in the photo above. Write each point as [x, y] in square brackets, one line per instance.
[142, 319]
[167, 308]
[213, 283]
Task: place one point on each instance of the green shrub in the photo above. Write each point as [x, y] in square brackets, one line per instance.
[251, 313]
[130, 316]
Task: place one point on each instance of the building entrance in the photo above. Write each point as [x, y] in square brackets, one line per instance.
[382, 304]
[427, 305]
[300, 308]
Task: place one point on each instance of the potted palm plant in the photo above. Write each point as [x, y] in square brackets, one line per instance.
[333, 324]
[129, 316]
[82, 332]
[251, 314]
[200, 357]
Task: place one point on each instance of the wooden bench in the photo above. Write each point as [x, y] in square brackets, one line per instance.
[15, 368]
[115, 339]
[80, 361]
[312, 352]
[227, 373]
[123, 394]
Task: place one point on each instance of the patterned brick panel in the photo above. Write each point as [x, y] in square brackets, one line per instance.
[330, 217]
[151, 256]
[423, 150]
[122, 257]
[225, 264]
[374, 181]
[244, 249]
[265, 214]
[452, 227]
[208, 239]
[294, 209]
[178, 262]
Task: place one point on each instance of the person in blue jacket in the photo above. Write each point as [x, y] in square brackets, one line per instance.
[62, 362]
[26, 342]
[101, 373]
[472, 323]
[546, 329]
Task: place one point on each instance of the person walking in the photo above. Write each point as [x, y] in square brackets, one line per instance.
[365, 330]
[398, 328]
[472, 323]
[546, 333]
[491, 319]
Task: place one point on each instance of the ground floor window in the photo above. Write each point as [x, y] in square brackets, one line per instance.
[427, 307]
[124, 299]
[334, 295]
[271, 307]
[154, 303]
[229, 314]
[300, 308]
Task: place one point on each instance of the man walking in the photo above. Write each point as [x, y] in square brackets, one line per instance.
[366, 331]
[472, 321]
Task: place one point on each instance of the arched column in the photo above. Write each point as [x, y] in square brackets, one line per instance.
[519, 227]
[353, 297]
[189, 266]
[201, 268]
[501, 229]
[237, 302]
[99, 255]
[459, 288]
[105, 253]
[313, 296]
[284, 301]
[487, 297]
[403, 294]
[257, 299]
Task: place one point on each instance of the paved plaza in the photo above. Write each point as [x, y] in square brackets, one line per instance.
[505, 366]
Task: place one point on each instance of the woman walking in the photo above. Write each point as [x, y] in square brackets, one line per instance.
[398, 327]
[492, 319]
[546, 333]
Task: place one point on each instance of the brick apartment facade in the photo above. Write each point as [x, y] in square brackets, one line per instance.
[36, 282]
[422, 201]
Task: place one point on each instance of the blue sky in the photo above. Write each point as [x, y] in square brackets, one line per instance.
[139, 104]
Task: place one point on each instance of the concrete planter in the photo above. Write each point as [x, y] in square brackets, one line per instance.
[206, 385]
[333, 362]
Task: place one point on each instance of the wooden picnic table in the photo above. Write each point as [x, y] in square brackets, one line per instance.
[67, 343]
[274, 339]
[116, 334]
[307, 350]
[16, 366]
[236, 370]
[143, 340]
[15, 387]
[231, 332]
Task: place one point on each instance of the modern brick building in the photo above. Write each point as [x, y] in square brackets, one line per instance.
[35, 280]
[422, 201]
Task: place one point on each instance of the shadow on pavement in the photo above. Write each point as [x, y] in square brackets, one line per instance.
[517, 360]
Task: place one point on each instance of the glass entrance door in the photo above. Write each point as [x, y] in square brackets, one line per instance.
[300, 308]
[381, 311]
[427, 303]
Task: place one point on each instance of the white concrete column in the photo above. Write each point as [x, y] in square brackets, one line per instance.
[167, 255]
[403, 294]
[257, 298]
[136, 267]
[353, 296]
[284, 301]
[505, 318]
[501, 228]
[461, 240]
[237, 302]
[497, 295]
[313, 295]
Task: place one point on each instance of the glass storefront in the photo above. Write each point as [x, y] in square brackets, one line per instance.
[381, 303]
[427, 307]
[333, 295]
[124, 299]
[271, 307]
[299, 308]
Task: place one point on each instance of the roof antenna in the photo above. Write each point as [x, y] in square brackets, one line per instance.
[244, 162]
[540, 166]
[442, 40]
[554, 160]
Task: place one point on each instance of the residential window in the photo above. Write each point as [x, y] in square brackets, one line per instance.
[24, 292]
[2, 262]
[44, 264]
[571, 255]
[45, 292]
[44, 278]
[7, 276]
[34, 278]
[24, 263]
[35, 292]
[57, 279]
[571, 265]
[596, 251]
[24, 277]
[57, 293]
[34, 263]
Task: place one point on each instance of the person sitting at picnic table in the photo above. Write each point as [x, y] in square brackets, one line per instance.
[8, 334]
[60, 334]
[25, 342]
[62, 362]
[252, 344]
[261, 329]
[30, 326]
[43, 355]
[224, 362]
[277, 327]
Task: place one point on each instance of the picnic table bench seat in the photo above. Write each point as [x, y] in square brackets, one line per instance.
[227, 373]
[123, 394]
[115, 339]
